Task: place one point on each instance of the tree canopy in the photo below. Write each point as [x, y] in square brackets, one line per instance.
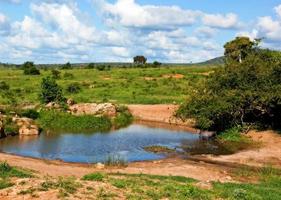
[241, 93]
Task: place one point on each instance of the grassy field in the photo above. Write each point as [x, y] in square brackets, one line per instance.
[118, 85]
[263, 183]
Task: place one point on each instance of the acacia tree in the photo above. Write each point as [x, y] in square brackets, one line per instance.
[237, 49]
[30, 69]
[140, 60]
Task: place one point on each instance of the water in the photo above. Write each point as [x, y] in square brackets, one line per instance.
[127, 143]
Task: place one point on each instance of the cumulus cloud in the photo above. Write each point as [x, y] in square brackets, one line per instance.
[130, 14]
[4, 25]
[228, 21]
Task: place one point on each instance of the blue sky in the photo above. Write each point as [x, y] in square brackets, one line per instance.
[183, 31]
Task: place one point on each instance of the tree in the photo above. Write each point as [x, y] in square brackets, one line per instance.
[67, 66]
[91, 66]
[157, 64]
[241, 93]
[237, 49]
[140, 60]
[51, 91]
[30, 69]
[56, 74]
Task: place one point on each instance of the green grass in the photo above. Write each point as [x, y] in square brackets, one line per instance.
[130, 85]
[7, 172]
[93, 177]
[61, 121]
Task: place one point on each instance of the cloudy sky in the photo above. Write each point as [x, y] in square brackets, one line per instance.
[58, 31]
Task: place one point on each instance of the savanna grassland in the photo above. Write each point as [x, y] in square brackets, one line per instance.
[118, 85]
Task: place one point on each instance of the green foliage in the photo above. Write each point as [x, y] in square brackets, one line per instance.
[67, 75]
[93, 177]
[101, 67]
[30, 69]
[91, 66]
[156, 64]
[7, 171]
[66, 66]
[30, 113]
[241, 93]
[73, 88]
[56, 74]
[51, 91]
[123, 119]
[140, 60]
[61, 121]
[4, 86]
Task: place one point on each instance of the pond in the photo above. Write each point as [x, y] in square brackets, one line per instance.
[128, 144]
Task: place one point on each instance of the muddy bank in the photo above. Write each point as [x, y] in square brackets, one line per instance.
[162, 113]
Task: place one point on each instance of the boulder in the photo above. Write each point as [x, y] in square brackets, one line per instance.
[100, 166]
[52, 105]
[106, 109]
[26, 126]
[29, 130]
[70, 102]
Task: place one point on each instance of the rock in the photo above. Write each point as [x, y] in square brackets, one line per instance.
[70, 102]
[52, 105]
[29, 130]
[100, 166]
[106, 109]
[26, 126]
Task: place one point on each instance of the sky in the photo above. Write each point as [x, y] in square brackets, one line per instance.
[178, 31]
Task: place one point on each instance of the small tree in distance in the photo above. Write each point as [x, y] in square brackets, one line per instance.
[51, 91]
[30, 69]
[140, 60]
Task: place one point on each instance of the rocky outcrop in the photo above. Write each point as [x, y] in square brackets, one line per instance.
[106, 109]
[26, 126]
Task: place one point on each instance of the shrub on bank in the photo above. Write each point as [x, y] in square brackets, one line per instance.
[55, 120]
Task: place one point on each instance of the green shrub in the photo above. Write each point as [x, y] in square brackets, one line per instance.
[30, 69]
[91, 66]
[51, 91]
[67, 75]
[123, 119]
[93, 177]
[67, 66]
[30, 113]
[4, 86]
[56, 74]
[245, 91]
[55, 120]
[101, 67]
[73, 88]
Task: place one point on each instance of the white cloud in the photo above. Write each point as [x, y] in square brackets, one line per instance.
[228, 21]
[130, 14]
[4, 25]
[206, 32]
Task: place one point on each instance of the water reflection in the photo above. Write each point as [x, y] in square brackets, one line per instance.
[96, 147]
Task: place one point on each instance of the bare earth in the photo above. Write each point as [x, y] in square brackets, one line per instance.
[207, 169]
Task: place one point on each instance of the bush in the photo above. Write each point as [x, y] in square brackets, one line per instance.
[30, 69]
[68, 75]
[67, 66]
[56, 74]
[4, 86]
[30, 113]
[101, 67]
[61, 121]
[91, 66]
[51, 91]
[93, 177]
[73, 88]
[123, 119]
[243, 92]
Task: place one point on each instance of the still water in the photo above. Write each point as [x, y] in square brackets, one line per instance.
[126, 143]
